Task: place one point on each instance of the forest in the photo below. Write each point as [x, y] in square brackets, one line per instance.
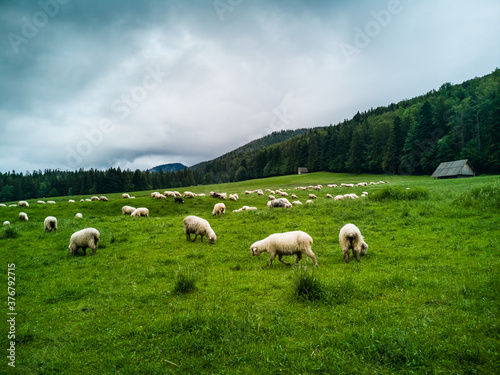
[411, 137]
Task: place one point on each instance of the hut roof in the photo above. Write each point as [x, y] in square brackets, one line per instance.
[457, 168]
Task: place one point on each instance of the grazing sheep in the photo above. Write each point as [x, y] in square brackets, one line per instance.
[178, 200]
[50, 223]
[189, 194]
[201, 195]
[352, 196]
[332, 185]
[3, 205]
[364, 194]
[338, 197]
[160, 196]
[168, 193]
[329, 196]
[71, 201]
[297, 202]
[141, 211]
[234, 197]
[40, 202]
[294, 196]
[280, 202]
[271, 197]
[218, 195]
[51, 202]
[94, 198]
[78, 216]
[283, 193]
[23, 216]
[154, 194]
[83, 239]
[23, 204]
[361, 184]
[103, 198]
[288, 243]
[125, 196]
[312, 196]
[350, 238]
[309, 201]
[6, 223]
[219, 209]
[128, 210]
[86, 200]
[199, 227]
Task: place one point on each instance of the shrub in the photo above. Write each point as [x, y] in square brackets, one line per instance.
[307, 287]
[487, 195]
[397, 193]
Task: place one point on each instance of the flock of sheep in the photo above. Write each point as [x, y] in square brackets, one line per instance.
[279, 244]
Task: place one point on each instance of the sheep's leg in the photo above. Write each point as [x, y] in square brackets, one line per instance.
[188, 236]
[84, 250]
[346, 255]
[299, 257]
[271, 258]
[356, 252]
[195, 237]
[280, 258]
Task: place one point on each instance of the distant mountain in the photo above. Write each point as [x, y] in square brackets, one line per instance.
[255, 145]
[172, 167]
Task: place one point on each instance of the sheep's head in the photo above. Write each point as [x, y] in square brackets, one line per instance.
[211, 238]
[256, 249]
[364, 248]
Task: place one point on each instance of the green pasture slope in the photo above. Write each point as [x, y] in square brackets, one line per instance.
[424, 300]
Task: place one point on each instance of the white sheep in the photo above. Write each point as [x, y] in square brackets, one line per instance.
[141, 211]
[199, 227]
[219, 209]
[51, 202]
[78, 215]
[71, 201]
[297, 202]
[50, 223]
[6, 223]
[271, 197]
[125, 196]
[103, 198]
[83, 239]
[309, 201]
[361, 184]
[169, 194]
[288, 243]
[332, 186]
[350, 238]
[329, 196]
[294, 196]
[23, 204]
[312, 196]
[189, 194]
[3, 205]
[234, 197]
[94, 198]
[280, 202]
[23, 216]
[128, 210]
[338, 197]
[40, 202]
[245, 208]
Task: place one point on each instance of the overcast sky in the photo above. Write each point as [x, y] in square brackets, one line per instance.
[135, 84]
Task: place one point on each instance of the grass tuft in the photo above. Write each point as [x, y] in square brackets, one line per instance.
[308, 287]
[185, 282]
[398, 193]
[9, 232]
[484, 196]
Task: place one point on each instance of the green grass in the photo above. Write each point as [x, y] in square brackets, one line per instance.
[423, 300]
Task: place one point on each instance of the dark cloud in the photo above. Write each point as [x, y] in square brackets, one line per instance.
[136, 84]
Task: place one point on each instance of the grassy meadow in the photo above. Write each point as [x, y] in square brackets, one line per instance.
[424, 300]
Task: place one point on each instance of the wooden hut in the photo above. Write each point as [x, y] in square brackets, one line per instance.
[454, 169]
[302, 170]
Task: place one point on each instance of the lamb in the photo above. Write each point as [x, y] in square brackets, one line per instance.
[288, 243]
[83, 239]
[350, 238]
[178, 200]
[128, 210]
[280, 202]
[219, 209]
[23, 216]
[50, 223]
[141, 211]
[199, 227]
[125, 196]
[78, 216]
[23, 204]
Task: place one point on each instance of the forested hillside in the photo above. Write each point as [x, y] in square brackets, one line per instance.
[410, 137]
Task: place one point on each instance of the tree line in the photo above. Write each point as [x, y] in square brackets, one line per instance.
[410, 137]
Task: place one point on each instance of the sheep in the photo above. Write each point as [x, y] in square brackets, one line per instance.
[199, 227]
[103, 198]
[332, 185]
[219, 209]
[188, 194]
[83, 239]
[364, 194]
[177, 194]
[288, 243]
[245, 208]
[141, 211]
[352, 196]
[86, 200]
[94, 198]
[168, 193]
[280, 202]
[201, 195]
[6, 223]
[3, 205]
[312, 196]
[329, 196]
[294, 196]
[154, 194]
[50, 223]
[338, 197]
[350, 238]
[218, 195]
[297, 202]
[23, 204]
[178, 200]
[23, 216]
[271, 197]
[347, 185]
[51, 202]
[234, 197]
[283, 193]
[361, 184]
[71, 201]
[160, 196]
[40, 202]
[128, 210]
[309, 201]
[125, 196]
[78, 216]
